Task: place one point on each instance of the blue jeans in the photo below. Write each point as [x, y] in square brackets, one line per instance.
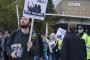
[36, 58]
[45, 57]
[51, 56]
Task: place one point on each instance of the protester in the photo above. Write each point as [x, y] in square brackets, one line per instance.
[1, 43]
[40, 47]
[52, 44]
[6, 36]
[36, 44]
[45, 46]
[72, 46]
[18, 42]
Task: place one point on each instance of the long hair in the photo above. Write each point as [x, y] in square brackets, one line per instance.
[52, 36]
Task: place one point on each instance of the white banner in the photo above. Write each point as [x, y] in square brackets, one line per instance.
[35, 9]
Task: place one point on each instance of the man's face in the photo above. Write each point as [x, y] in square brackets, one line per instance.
[80, 30]
[24, 22]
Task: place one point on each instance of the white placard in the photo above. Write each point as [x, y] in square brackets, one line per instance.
[60, 33]
[35, 9]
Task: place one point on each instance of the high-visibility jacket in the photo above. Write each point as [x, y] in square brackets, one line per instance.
[59, 42]
[45, 42]
[87, 41]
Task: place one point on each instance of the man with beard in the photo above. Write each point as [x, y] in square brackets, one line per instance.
[18, 42]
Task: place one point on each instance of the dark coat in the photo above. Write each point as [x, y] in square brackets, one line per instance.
[84, 45]
[21, 38]
[5, 45]
[1, 48]
[73, 48]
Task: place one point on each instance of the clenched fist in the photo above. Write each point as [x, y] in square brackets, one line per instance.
[13, 55]
[29, 45]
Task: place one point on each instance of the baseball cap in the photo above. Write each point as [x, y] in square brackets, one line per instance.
[80, 27]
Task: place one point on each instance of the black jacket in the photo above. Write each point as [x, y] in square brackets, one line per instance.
[19, 37]
[0, 45]
[5, 45]
[73, 48]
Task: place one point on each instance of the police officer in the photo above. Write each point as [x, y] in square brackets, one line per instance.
[80, 31]
[86, 37]
[82, 36]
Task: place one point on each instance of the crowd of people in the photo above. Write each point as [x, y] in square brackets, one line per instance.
[16, 45]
